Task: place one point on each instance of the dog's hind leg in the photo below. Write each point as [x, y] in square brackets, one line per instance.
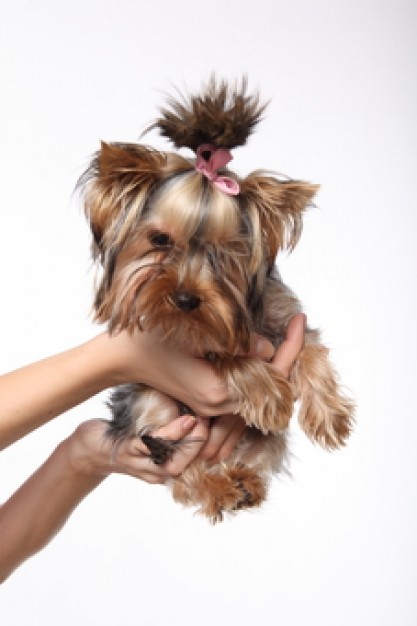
[223, 488]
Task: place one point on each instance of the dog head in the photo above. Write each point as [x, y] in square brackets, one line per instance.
[177, 252]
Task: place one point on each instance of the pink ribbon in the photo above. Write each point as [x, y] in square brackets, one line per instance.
[209, 160]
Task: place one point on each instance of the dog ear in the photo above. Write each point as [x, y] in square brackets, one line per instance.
[280, 205]
[116, 186]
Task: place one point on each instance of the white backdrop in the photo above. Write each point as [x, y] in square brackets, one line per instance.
[336, 542]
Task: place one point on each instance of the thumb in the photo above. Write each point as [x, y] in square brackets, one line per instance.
[260, 347]
[291, 347]
[177, 428]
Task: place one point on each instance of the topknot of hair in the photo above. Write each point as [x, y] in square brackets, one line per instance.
[222, 115]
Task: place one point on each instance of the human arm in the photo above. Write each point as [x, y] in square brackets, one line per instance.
[35, 394]
[40, 507]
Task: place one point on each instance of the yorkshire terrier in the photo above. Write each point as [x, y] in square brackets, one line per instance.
[188, 247]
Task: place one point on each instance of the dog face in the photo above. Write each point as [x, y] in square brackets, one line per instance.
[179, 254]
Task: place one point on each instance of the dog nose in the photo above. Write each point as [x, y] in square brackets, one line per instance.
[186, 301]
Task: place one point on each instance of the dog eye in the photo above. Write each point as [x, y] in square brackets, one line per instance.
[160, 240]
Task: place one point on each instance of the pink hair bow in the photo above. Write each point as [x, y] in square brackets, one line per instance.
[209, 160]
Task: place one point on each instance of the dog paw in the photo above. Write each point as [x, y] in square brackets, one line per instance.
[160, 450]
[233, 490]
[330, 423]
[220, 489]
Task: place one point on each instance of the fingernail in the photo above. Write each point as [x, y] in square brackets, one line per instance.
[304, 318]
[189, 422]
[264, 349]
[260, 344]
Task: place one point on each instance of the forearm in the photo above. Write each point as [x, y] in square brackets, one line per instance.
[33, 395]
[39, 509]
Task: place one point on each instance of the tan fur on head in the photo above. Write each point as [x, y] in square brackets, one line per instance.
[189, 206]
[117, 185]
[131, 190]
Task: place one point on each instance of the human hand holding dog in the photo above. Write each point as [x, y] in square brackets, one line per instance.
[40, 507]
[60, 382]
[143, 357]
[83, 460]
[91, 452]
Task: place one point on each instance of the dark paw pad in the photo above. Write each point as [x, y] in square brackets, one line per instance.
[161, 450]
[247, 498]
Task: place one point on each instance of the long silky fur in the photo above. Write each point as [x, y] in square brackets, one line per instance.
[222, 115]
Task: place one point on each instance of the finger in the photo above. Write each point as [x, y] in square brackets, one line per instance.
[219, 432]
[189, 448]
[290, 348]
[260, 347]
[174, 431]
[230, 442]
[178, 428]
[134, 460]
[152, 478]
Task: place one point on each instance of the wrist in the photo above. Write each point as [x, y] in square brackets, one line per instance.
[106, 361]
[87, 451]
[119, 357]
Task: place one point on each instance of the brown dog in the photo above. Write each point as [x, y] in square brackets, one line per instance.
[188, 247]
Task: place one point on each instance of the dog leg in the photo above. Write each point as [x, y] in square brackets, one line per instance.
[326, 414]
[223, 488]
[137, 412]
[265, 398]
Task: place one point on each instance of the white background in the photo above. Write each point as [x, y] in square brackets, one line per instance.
[336, 544]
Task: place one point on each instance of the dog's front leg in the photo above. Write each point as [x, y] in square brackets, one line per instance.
[326, 414]
[265, 398]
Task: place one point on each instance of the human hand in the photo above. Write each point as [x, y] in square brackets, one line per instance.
[143, 357]
[91, 453]
[226, 430]
[193, 381]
